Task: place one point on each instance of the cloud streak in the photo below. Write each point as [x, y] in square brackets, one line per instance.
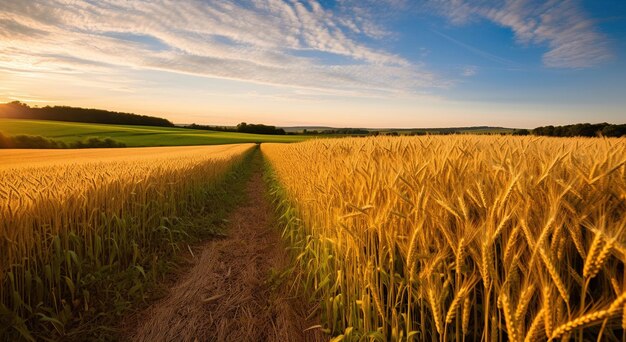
[477, 51]
[280, 42]
[298, 46]
[560, 25]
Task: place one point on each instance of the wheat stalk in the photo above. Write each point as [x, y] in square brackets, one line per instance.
[534, 252]
[554, 273]
[436, 310]
[597, 260]
[590, 318]
[547, 312]
[522, 304]
[467, 308]
[509, 319]
[454, 306]
[594, 250]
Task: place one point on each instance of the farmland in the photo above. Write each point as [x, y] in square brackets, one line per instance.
[448, 238]
[133, 136]
[378, 238]
[83, 234]
[312, 170]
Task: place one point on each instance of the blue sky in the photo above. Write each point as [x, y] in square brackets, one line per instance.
[365, 63]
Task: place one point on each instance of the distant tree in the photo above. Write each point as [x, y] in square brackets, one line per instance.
[35, 141]
[346, 131]
[582, 130]
[259, 129]
[614, 131]
[97, 143]
[212, 128]
[18, 110]
[521, 132]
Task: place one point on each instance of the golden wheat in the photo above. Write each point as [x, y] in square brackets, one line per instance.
[613, 309]
[68, 217]
[535, 326]
[421, 216]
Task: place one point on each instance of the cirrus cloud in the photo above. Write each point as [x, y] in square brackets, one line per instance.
[280, 42]
[561, 25]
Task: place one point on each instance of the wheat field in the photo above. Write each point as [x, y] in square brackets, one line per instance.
[483, 238]
[71, 218]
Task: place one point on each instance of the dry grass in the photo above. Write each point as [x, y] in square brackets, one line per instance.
[529, 234]
[69, 218]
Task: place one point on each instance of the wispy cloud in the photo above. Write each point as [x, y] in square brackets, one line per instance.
[477, 51]
[469, 70]
[259, 41]
[561, 25]
[28, 99]
[353, 53]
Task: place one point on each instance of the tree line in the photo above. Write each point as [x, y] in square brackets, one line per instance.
[577, 130]
[243, 128]
[342, 131]
[19, 110]
[582, 130]
[36, 141]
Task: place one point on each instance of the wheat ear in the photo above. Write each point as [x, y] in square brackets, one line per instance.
[511, 327]
[590, 318]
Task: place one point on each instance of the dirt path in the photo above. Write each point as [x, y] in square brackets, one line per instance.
[228, 294]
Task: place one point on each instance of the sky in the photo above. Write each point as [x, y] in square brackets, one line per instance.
[341, 63]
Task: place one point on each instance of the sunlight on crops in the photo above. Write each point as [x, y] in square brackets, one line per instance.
[66, 216]
[23, 158]
[485, 238]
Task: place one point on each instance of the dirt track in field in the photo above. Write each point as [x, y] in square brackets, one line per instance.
[228, 294]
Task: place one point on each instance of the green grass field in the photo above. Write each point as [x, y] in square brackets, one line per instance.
[134, 136]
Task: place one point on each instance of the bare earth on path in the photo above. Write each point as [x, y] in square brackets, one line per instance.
[225, 295]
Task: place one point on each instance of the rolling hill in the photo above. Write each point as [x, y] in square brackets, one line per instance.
[134, 136]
